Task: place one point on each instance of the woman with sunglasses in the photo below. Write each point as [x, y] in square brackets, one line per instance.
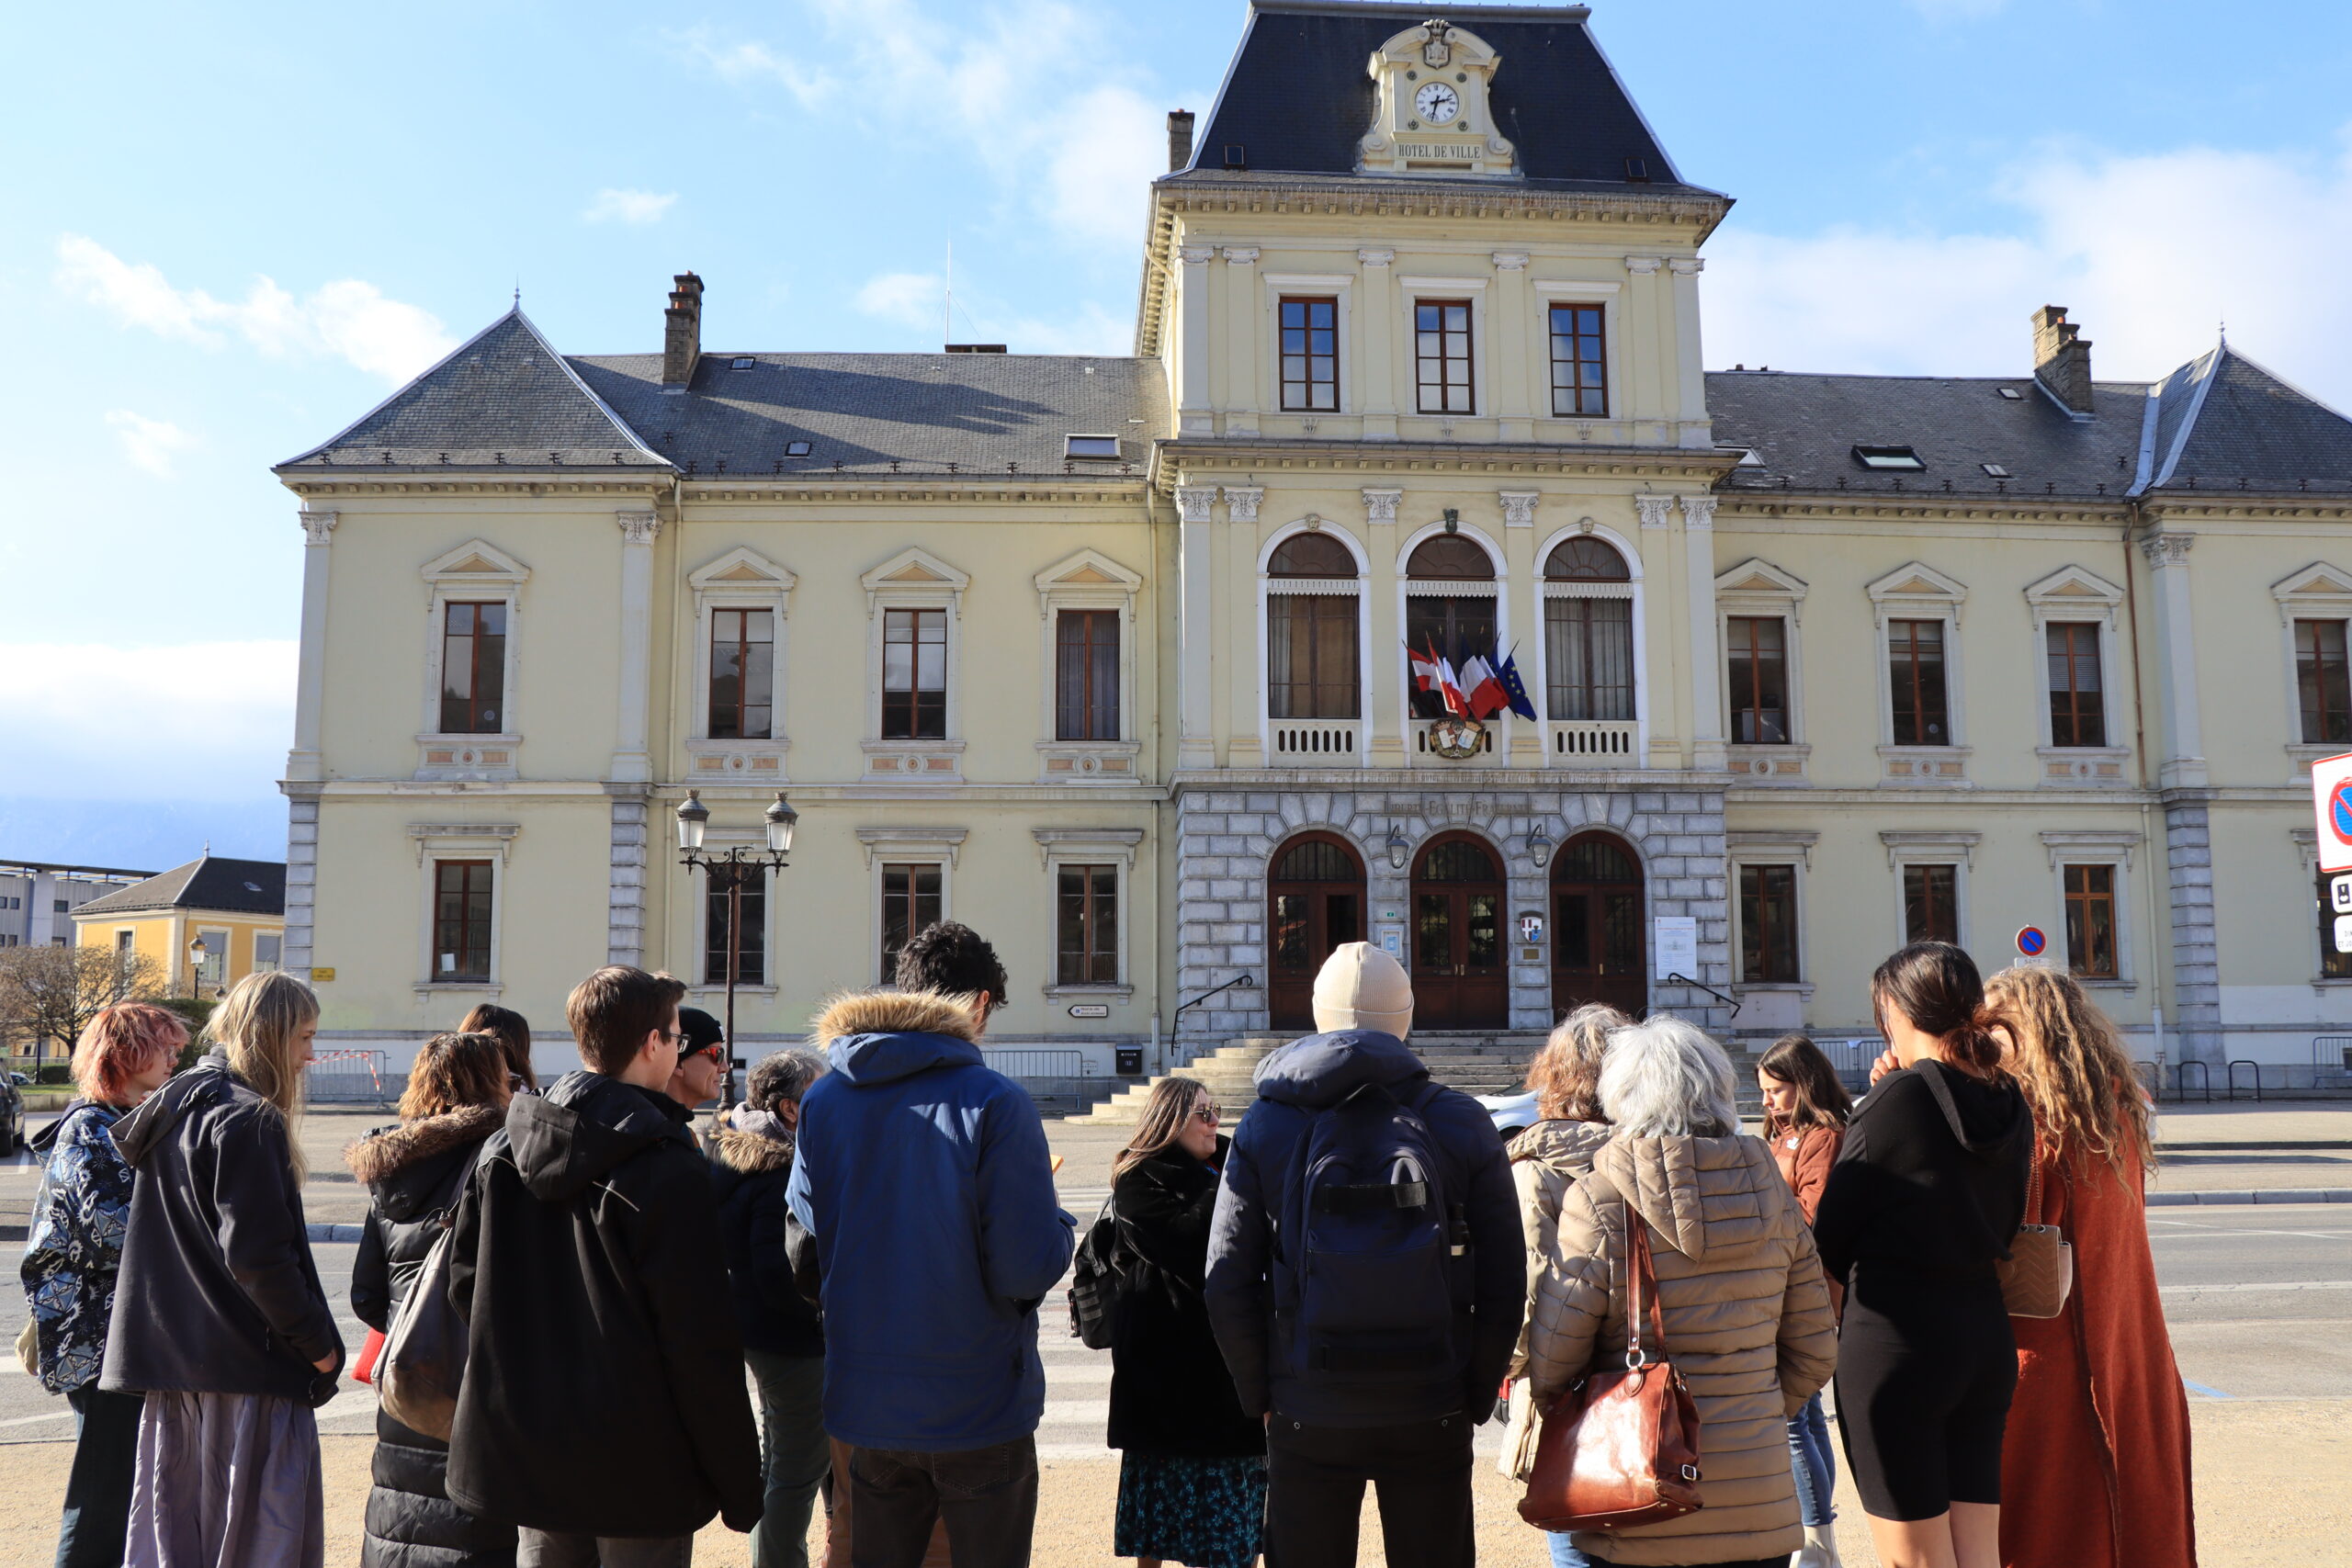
[1192, 1476]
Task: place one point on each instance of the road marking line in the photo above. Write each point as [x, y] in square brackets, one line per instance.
[2255, 1285]
[2195, 1229]
[2208, 1393]
[29, 1420]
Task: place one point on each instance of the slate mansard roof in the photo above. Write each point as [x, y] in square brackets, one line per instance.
[1297, 97]
[506, 399]
[2219, 424]
[211, 883]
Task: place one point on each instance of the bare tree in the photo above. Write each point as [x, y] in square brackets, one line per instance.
[51, 993]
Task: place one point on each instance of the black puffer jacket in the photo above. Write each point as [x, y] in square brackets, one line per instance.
[416, 1172]
[748, 1175]
[217, 1292]
[603, 1392]
[1171, 1393]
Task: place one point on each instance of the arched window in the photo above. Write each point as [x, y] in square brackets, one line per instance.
[1313, 662]
[1449, 606]
[1588, 631]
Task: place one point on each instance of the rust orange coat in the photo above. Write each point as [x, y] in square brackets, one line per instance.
[2095, 1464]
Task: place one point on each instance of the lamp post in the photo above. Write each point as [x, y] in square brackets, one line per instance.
[693, 821]
[195, 955]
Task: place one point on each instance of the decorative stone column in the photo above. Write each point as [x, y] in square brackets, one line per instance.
[1243, 395]
[1517, 405]
[304, 762]
[1244, 744]
[625, 896]
[301, 874]
[1707, 753]
[632, 763]
[2184, 743]
[1662, 634]
[1383, 694]
[1194, 412]
[1693, 428]
[2188, 842]
[1196, 734]
[1376, 369]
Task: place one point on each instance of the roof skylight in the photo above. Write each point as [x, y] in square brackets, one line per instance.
[796, 449]
[1090, 446]
[1900, 458]
[1995, 470]
[2011, 394]
[742, 361]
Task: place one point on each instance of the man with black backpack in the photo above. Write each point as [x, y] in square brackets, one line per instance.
[1366, 1279]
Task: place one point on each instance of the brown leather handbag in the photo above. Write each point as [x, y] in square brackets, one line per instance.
[2039, 1273]
[1620, 1448]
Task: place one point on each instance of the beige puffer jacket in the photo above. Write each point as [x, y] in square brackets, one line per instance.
[1547, 1159]
[1747, 1318]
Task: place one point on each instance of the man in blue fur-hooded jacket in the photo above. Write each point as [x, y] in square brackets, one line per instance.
[1344, 1410]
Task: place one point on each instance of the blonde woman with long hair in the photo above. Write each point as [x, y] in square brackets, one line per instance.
[220, 1321]
[2095, 1469]
[1192, 1476]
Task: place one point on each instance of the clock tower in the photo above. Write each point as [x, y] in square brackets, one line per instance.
[1434, 115]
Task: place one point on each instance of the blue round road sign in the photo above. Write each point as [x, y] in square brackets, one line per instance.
[2031, 942]
[2339, 810]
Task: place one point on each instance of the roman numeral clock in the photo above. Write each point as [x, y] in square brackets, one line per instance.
[1435, 117]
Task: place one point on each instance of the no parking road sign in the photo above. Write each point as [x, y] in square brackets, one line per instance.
[2332, 803]
[2031, 942]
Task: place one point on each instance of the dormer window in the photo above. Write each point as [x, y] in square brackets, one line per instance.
[1090, 446]
[1895, 458]
[742, 362]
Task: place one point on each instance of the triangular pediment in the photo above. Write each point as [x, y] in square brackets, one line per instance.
[915, 569]
[1088, 569]
[477, 559]
[2317, 580]
[1916, 580]
[1756, 575]
[742, 569]
[2076, 584]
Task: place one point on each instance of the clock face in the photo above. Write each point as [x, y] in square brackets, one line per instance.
[1437, 103]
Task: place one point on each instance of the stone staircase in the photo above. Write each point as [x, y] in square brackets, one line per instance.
[1228, 1073]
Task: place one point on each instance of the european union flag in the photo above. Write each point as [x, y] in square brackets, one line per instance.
[1507, 672]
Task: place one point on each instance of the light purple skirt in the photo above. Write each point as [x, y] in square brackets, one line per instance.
[226, 1481]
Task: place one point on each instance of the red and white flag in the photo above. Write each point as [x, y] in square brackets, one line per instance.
[1424, 669]
[1449, 686]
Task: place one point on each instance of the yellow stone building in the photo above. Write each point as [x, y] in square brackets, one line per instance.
[1108, 656]
[234, 908]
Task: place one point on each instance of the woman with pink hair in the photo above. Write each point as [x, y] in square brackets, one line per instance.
[71, 1253]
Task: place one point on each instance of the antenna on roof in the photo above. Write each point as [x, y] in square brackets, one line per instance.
[947, 313]
[518, 290]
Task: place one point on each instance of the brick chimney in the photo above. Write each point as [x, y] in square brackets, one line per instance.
[682, 333]
[2062, 360]
[1180, 138]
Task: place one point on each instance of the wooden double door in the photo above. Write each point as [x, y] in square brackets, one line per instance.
[1460, 943]
[1315, 902]
[1597, 950]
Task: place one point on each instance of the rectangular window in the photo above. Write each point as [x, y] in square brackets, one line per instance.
[1579, 379]
[1310, 354]
[1085, 675]
[743, 674]
[123, 941]
[1588, 658]
[1768, 924]
[215, 972]
[1758, 677]
[2078, 695]
[1311, 662]
[910, 904]
[751, 933]
[1932, 903]
[1086, 939]
[461, 919]
[914, 675]
[1441, 356]
[2321, 681]
[1915, 680]
[269, 948]
[473, 669]
[2090, 920]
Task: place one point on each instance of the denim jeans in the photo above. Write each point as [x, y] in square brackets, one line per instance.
[1816, 1468]
[97, 1489]
[793, 1454]
[1563, 1554]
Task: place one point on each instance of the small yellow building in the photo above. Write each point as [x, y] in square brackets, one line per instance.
[235, 908]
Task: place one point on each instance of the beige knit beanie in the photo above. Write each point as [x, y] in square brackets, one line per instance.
[1362, 988]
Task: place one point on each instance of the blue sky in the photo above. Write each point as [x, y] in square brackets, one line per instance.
[231, 230]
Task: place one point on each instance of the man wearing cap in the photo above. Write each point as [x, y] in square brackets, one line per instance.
[1348, 1403]
[702, 1059]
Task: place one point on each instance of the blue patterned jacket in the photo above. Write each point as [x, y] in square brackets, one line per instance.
[75, 1246]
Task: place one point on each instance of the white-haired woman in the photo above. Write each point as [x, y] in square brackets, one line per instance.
[1193, 1474]
[219, 1319]
[1746, 1314]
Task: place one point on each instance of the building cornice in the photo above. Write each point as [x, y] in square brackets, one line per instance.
[399, 482]
[1264, 458]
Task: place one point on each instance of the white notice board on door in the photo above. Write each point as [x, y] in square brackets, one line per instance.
[1674, 946]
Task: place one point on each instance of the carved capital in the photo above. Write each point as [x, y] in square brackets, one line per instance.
[1644, 266]
[1241, 501]
[1656, 510]
[318, 527]
[1380, 505]
[1519, 507]
[1196, 256]
[2166, 549]
[1687, 266]
[1511, 261]
[1240, 255]
[638, 527]
[1375, 258]
[1192, 501]
[1699, 511]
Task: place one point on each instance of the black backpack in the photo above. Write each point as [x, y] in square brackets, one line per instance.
[1096, 1282]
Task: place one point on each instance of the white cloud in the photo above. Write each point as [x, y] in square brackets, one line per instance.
[149, 444]
[206, 721]
[909, 298]
[1028, 88]
[2150, 253]
[638, 207]
[346, 319]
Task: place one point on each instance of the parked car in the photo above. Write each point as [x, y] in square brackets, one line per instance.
[1514, 1113]
[12, 1115]
[19, 1079]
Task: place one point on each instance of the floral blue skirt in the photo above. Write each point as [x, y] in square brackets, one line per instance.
[1203, 1513]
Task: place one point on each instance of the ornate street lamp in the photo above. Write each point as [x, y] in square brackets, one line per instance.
[1539, 846]
[197, 952]
[1398, 850]
[731, 870]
